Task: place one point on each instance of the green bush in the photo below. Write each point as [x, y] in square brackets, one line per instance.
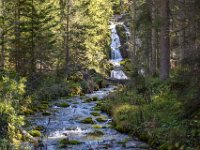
[12, 90]
[157, 121]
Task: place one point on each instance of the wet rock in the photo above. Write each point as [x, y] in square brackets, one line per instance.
[62, 104]
[96, 133]
[101, 119]
[135, 144]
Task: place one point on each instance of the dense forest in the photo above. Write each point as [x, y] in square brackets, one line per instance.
[53, 51]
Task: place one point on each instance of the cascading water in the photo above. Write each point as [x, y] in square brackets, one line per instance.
[116, 56]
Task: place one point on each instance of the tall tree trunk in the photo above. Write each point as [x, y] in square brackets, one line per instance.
[17, 36]
[182, 24]
[164, 40]
[32, 39]
[3, 37]
[153, 38]
[133, 33]
[67, 37]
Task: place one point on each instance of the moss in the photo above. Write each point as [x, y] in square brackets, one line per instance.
[96, 133]
[101, 119]
[46, 113]
[93, 99]
[27, 112]
[45, 102]
[35, 109]
[88, 120]
[97, 108]
[88, 100]
[96, 126]
[43, 107]
[35, 133]
[64, 142]
[64, 104]
[39, 128]
[75, 103]
[95, 113]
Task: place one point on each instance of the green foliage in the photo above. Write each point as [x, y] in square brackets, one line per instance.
[152, 111]
[12, 90]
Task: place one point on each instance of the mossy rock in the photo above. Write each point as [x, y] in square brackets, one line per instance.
[96, 133]
[35, 109]
[96, 126]
[35, 133]
[75, 102]
[88, 100]
[93, 99]
[46, 113]
[45, 102]
[39, 128]
[88, 120]
[101, 119]
[43, 107]
[96, 108]
[95, 113]
[65, 142]
[27, 112]
[64, 104]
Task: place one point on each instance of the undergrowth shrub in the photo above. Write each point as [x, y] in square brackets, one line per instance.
[12, 89]
[153, 112]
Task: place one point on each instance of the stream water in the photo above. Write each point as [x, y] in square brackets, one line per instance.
[66, 123]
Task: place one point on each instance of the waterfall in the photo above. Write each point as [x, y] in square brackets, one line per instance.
[116, 56]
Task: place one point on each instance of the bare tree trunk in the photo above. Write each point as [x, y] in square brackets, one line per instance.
[32, 40]
[153, 38]
[182, 24]
[3, 37]
[164, 40]
[17, 35]
[133, 33]
[67, 36]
